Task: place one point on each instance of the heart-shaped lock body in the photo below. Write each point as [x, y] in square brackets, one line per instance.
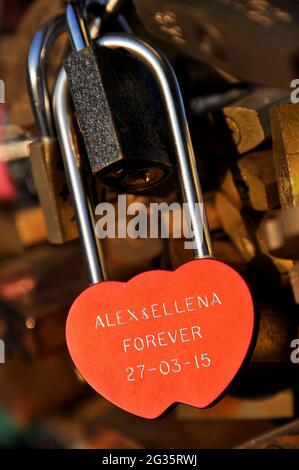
[163, 337]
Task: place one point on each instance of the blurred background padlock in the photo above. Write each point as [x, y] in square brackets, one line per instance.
[244, 131]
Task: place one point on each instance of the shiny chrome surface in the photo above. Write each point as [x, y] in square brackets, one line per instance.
[192, 193]
[37, 74]
[77, 27]
[82, 205]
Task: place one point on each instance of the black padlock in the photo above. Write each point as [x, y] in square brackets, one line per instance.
[119, 111]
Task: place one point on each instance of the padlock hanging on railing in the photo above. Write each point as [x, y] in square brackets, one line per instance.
[163, 337]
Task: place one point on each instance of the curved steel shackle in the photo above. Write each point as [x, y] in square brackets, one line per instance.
[191, 188]
[80, 197]
[41, 44]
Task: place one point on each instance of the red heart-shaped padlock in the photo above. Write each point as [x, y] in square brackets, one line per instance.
[163, 337]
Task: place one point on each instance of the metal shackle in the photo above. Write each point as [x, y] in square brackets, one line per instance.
[39, 94]
[191, 189]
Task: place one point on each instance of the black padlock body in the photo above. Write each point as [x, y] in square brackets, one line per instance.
[121, 117]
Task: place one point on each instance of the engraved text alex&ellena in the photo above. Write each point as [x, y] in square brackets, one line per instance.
[154, 311]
